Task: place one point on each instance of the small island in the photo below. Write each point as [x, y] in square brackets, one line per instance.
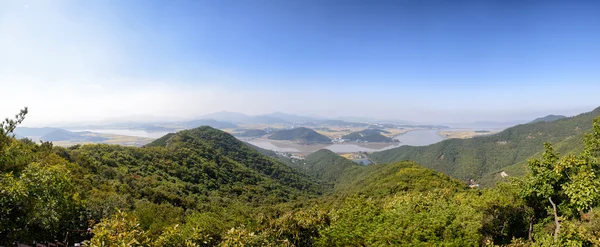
[368, 135]
[300, 135]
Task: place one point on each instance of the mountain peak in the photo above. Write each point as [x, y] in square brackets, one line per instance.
[548, 118]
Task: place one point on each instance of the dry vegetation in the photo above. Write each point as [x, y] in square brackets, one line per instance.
[463, 134]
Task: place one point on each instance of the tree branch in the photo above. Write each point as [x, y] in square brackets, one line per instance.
[555, 219]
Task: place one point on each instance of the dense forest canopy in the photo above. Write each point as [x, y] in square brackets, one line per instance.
[203, 187]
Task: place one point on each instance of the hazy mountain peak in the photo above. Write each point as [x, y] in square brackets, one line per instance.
[548, 118]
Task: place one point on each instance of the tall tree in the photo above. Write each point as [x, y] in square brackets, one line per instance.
[570, 186]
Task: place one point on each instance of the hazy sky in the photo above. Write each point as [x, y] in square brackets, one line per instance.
[424, 61]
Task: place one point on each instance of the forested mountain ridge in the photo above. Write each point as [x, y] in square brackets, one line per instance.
[226, 145]
[202, 187]
[480, 156]
[201, 170]
[325, 165]
[548, 118]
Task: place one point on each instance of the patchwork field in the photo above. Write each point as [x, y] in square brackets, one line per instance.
[112, 139]
[464, 134]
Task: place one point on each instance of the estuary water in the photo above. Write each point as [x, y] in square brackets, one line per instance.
[126, 132]
[421, 137]
[413, 138]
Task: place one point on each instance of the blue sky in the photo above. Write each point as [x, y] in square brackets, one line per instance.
[425, 61]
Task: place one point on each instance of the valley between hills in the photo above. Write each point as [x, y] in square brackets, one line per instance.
[206, 187]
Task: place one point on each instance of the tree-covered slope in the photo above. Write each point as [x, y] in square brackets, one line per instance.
[301, 135]
[480, 156]
[387, 179]
[252, 133]
[325, 165]
[548, 118]
[228, 148]
[203, 187]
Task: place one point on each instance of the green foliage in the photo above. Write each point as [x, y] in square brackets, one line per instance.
[301, 135]
[154, 218]
[406, 219]
[8, 126]
[299, 228]
[241, 237]
[119, 230]
[37, 197]
[203, 187]
[388, 179]
[200, 169]
[252, 133]
[325, 165]
[568, 186]
[505, 216]
[485, 156]
[548, 118]
[39, 203]
[174, 236]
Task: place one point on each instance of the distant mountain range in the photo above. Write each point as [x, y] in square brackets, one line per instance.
[240, 118]
[229, 120]
[285, 118]
[207, 122]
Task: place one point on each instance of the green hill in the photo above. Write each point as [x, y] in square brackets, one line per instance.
[484, 156]
[203, 187]
[252, 133]
[368, 135]
[325, 165]
[548, 118]
[227, 148]
[300, 135]
[388, 179]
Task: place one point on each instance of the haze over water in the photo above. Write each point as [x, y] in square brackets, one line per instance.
[411, 138]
